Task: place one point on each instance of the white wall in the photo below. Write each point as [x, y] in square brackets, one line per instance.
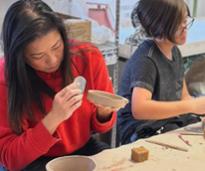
[200, 8]
[77, 7]
[57, 5]
[3, 8]
[66, 7]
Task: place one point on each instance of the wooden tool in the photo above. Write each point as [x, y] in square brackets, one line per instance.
[203, 127]
[204, 134]
[81, 82]
[185, 141]
[168, 145]
[190, 133]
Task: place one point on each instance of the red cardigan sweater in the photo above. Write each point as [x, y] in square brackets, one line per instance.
[17, 151]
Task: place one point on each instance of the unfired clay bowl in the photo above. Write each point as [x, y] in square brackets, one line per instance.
[71, 163]
[106, 99]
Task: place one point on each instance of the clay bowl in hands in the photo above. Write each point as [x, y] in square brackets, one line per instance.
[106, 99]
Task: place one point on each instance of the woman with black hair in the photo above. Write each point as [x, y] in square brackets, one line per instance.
[43, 113]
[153, 78]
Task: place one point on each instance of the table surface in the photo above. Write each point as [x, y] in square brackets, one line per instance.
[160, 158]
[195, 41]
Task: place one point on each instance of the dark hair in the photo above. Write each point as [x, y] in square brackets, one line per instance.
[25, 21]
[160, 18]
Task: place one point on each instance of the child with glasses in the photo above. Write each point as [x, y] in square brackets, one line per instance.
[153, 78]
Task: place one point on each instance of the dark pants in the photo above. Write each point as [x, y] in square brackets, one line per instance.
[150, 128]
[92, 147]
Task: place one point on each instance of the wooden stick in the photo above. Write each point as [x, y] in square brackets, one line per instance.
[185, 141]
[204, 134]
[197, 134]
[167, 145]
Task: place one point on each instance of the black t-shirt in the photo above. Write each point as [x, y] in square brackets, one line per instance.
[150, 69]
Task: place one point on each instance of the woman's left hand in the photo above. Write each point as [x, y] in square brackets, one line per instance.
[104, 113]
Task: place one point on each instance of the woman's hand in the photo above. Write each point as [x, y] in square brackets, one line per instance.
[64, 104]
[67, 101]
[104, 113]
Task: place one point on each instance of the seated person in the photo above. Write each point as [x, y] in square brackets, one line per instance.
[43, 112]
[153, 78]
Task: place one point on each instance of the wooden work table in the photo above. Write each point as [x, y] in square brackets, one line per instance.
[160, 158]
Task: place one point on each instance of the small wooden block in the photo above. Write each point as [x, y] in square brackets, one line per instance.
[139, 154]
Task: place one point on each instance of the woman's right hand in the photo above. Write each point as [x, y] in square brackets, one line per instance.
[65, 103]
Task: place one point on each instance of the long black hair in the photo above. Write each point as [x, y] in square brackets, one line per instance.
[25, 21]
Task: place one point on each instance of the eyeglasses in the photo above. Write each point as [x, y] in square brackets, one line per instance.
[189, 22]
[186, 25]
